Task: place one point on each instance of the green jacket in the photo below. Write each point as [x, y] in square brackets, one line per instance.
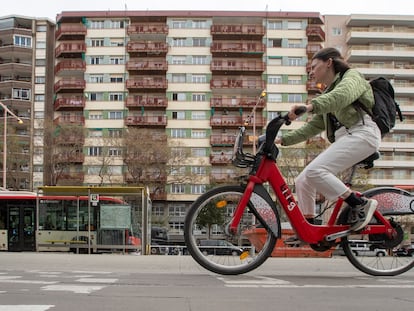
[337, 99]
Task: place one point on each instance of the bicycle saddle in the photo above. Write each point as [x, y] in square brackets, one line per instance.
[369, 161]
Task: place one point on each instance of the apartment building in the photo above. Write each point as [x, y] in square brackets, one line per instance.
[191, 78]
[382, 45]
[26, 53]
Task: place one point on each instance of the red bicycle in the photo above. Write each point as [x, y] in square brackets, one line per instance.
[248, 217]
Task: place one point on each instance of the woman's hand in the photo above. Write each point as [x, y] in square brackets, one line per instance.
[292, 115]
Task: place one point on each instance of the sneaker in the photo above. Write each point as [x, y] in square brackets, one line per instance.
[361, 215]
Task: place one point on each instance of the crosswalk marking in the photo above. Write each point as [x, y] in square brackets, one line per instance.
[77, 289]
[25, 307]
[95, 280]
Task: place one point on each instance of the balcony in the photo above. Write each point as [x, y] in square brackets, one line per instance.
[134, 101]
[221, 158]
[148, 48]
[236, 103]
[237, 66]
[69, 158]
[312, 48]
[70, 66]
[71, 179]
[147, 65]
[69, 140]
[156, 121]
[70, 103]
[70, 49]
[69, 120]
[144, 83]
[229, 31]
[235, 83]
[315, 33]
[238, 48]
[147, 28]
[235, 121]
[222, 177]
[313, 88]
[70, 85]
[70, 31]
[226, 140]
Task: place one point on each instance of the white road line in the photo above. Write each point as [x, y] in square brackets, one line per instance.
[95, 280]
[27, 282]
[25, 307]
[78, 289]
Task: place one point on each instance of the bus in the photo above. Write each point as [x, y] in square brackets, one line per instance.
[33, 222]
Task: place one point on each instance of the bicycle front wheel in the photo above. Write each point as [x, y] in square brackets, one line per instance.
[377, 254]
[208, 241]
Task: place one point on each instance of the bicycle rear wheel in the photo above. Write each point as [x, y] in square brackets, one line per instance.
[219, 251]
[376, 254]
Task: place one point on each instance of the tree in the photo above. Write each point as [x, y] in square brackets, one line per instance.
[210, 215]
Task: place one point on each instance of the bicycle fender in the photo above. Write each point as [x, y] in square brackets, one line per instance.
[392, 200]
[269, 216]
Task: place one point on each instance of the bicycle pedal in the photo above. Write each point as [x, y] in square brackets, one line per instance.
[334, 236]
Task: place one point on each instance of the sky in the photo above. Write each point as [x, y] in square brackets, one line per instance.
[50, 8]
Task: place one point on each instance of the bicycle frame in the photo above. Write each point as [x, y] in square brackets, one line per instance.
[268, 171]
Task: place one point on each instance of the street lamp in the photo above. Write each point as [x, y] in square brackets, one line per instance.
[20, 121]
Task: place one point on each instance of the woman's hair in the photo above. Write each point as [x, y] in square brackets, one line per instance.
[340, 65]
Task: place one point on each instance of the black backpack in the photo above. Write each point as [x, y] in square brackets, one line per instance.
[385, 108]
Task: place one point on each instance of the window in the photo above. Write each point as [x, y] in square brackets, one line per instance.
[157, 210]
[116, 42]
[96, 60]
[116, 24]
[96, 24]
[116, 60]
[96, 79]
[274, 97]
[94, 151]
[199, 41]
[294, 61]
[178, 189]
[293, 25]
[95, 133]
[177, 24]
[178, 171]
[179, 97]
[198, 134]
[199, 60]
[178, 60]
[198, 152]
[199, 24]
[115, 115]
[40, 44]
[274, 79]
[40, 62]
[23, 94]
[39, 97]
[41, 28]
[198, 170]
[114, 152]
[274, 25]
[274, 43]
[116, 97]
[40, 79]
[177, 152]
[294, 98]
[97, 42]
[198, 115]
[336, 31]
[23, 41]
[116, 79]
[178, 115]
[178, 133]
[274, 61]
[294, 44]
[178, 78]
[199, 79]
[115, 133]
[197, 189]
[95, 115]
[178, 42]
[294, 80]
[199, 97]
[96, 96]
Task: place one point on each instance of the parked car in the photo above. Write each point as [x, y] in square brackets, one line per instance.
[219, 247]
[404, 252]
[362, 248]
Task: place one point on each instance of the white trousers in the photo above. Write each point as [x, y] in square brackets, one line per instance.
[350, 147]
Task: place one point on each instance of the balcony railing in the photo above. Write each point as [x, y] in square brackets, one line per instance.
[238, 47]
[146, 120]
[234, 121]
[147, 83]
[71, 158]
[71, 179]
[230, 102]
[69, 140]
[70, 30]
[237, 65]
[147, 28]
[158, 48]
[71, 65]
[147, 65]
[70, 48]
[315, 33]
[237, 30]
[221, 158]
[72, 102]
[70, 85]
[146, 101]
[69, 119]
[223, 83]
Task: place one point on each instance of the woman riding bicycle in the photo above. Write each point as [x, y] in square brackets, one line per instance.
[353, 136]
